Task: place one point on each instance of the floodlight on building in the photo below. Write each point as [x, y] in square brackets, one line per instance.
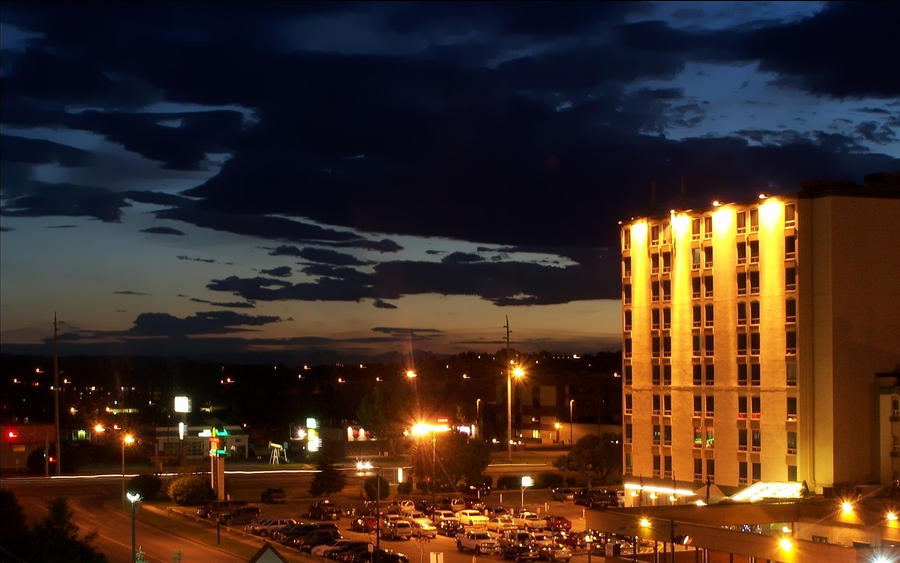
[891, 516]
[847, 507]
[786, 545]
[182, 404]
[700, 503]
[716, 203]
[645, 522]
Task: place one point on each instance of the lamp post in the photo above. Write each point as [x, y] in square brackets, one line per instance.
[126, 440]
[365, 468]
[133, 497]
[571, 419]
[421, 429]
[510, 372]
[478, 416]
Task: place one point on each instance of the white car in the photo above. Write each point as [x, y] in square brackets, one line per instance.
[472, 517]
[502, 523]
[444, 515]
[423, 528]
[407, 507]
[530, 521]
[322, 550]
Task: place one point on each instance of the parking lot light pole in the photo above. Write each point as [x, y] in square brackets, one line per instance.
[365, 468]
[134, 498]
[126, 440]
[571, 419]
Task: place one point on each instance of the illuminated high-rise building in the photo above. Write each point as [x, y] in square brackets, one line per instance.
[754, 334]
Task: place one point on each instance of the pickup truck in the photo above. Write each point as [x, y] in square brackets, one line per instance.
[478, 541]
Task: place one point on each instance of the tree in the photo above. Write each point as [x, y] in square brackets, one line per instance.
[373, 487]
[55, 538]
[189, 489]
[13, 531]
[328, 480]
[597, 458]
[380, 412]
[458, 459]
[145, 485]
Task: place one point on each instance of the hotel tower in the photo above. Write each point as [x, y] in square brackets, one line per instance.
[762, 340]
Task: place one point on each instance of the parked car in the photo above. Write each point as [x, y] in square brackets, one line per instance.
[324, 510]
[597, 498]
[239, 516]
[406, 506]
[515, 545]
[471, 517]
[474, 503]
[558, 523]
[445, 515]
[530, 521]
[555, 552]
[212, 509]
[454, 504]
[379, 556]
[477, 541]
[423, 505]
[423, 528]
[342, 547]
[397, 529]
[322, 549]
[317, 537]
[272, 495]
[502, 523]
[449, 527]
[365, 523]
[562, 493]
[265, 526]
[491, 511]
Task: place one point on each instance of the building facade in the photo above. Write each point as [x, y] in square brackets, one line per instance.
[752, 336]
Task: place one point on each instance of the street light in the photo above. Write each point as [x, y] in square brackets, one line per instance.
[127, 439]
[133, 497]
[364, 468]
[571, 419]
[421, 429]
[518, 372]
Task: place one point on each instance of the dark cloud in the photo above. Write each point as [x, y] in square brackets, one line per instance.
[67, 200]
[228, 304]
[129, 292]
[460, 257]
[876, 133]
[325, 256]
[163, 231]
[280, 272]
[213, 322]
[62, 227]
[378, 303]
[39, 151]
[195, 259]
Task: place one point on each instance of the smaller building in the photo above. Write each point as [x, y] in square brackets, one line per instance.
[20, 440]
[193, 443]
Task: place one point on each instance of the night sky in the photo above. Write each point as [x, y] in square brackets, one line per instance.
[221, 179]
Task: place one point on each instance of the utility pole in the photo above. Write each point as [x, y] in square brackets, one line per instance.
[56, 393]
[508, 397]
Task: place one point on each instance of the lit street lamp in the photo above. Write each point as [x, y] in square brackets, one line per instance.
[571, 419]
[133, 497]
[510, 372]
[126, 440]
[422, 429]
[365, 468]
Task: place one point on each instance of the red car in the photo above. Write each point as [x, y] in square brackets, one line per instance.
[558, 523]
[363, 524]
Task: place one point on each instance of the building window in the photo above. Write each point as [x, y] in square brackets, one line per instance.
[754, 283]
[710, 437]
[629, 467]
[754, 375]
[656, 465]
[628, 400]
[626, 293]
[742, 283]
[667, 374]
[655, 345]
[710, 405]
[695, 258]
[707, 286]
[742, 473]
[698, 374]
[698, 467]
[753, 251]
[754, 220]
[654, 291]
[654, 263]
[790, 342]
[655, 404]
[710, 374]
[754, 407]
[667, 345]
[667, 405]
[698, 405]
[628, 373]
[792, 476]
[695, 342]
[742, 375]
[790, 214]
[626, 239]
[741, 252]
[792, 409]
[666, 262]
[627, 319]
[707, 226]
[790, 374]
[754, 343]
[655, 371]
[790, 279]
[626, 267]
[654, 235]
[667, 435]
[695, 316]
[628, 433]
[656, 434]
[757, 471]
[668, 466]
[742, 344]
[742, 408]
[695, 288]
[709, 316]
[711, 469]
[792, 445]
[756, 440]
[790, 247]
[628, 347]
[667, 317]
[654, 319]
[754, 312]
[709, 347]
[742, 439]
[741, 222]
[741, 313]
[790, 310]
[695, 228]
[707, 257]
[666, 290]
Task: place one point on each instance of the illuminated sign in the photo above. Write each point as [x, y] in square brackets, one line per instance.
[182, 404]
[181, 429]
[527, 481]
[312, 423]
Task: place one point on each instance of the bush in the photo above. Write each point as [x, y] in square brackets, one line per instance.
[190, 489]
[506, 482]
[404, 488]
[373, 488]
[145, 485]
[548, 480]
